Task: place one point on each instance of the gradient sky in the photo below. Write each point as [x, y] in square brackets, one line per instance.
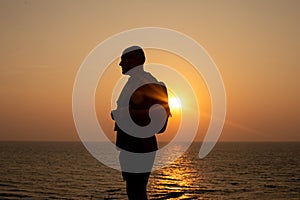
[255, 44]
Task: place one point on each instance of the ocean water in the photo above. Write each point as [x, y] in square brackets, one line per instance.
[65, 170]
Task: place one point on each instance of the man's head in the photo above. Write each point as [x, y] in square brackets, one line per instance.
[132, 57]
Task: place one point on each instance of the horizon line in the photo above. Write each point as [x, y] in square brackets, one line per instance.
[233, 141]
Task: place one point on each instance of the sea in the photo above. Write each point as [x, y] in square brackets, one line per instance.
[232, 170]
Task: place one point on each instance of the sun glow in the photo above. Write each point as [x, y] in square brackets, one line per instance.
[174, 103]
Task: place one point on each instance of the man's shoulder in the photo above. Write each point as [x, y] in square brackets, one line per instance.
[150, 77]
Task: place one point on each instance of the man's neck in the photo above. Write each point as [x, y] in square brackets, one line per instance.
[136, 71]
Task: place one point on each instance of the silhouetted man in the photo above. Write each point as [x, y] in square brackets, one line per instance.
[141, 100]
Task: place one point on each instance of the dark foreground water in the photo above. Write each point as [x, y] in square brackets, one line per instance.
[230, 171]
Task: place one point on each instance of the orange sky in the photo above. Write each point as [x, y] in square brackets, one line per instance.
[255, 44]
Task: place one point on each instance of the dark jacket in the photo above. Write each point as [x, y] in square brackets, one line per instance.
[140, 103]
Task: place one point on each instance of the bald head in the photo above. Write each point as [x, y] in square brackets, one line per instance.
[134, 52]
[131, 57]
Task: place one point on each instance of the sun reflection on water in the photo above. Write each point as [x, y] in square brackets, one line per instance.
[176, 181]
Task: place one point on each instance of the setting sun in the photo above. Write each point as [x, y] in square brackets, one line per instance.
[174, 103]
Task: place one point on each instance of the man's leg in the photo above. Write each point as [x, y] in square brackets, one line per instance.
[136, 185]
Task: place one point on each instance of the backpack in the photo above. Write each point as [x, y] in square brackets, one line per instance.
[143, 98]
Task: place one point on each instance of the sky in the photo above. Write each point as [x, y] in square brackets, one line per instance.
[255, 45]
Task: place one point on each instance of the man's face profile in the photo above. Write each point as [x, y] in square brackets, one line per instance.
[131, 57]
[127, 63]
